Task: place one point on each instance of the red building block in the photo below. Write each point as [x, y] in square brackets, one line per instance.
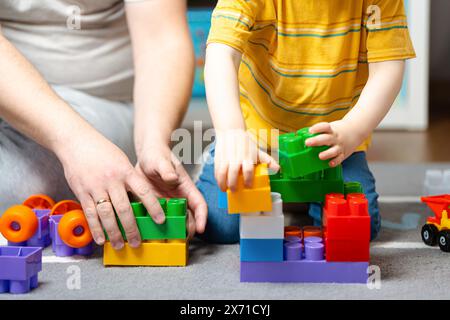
[347, 228]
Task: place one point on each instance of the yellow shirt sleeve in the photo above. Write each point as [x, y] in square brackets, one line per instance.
[232, 21]
[386, 28]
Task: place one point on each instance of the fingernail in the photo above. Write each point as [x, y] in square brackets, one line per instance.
[160, 218]
[99, 240]
[118, 245]
[135, 243]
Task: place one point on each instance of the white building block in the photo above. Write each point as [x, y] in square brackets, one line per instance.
[437, 182]
[265, 225]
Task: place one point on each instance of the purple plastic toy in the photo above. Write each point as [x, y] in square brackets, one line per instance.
[59, 247]
[305, 271]
[42, 236]
[304, 263]
[19, 268]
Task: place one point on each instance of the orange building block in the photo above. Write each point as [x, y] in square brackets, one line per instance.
[254, 199]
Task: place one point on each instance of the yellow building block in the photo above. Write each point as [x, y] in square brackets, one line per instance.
[254, 199]
[168, 254]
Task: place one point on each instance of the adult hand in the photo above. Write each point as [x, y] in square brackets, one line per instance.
[100, 175]
[169, 179]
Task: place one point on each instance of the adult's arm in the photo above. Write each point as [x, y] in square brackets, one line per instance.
[164, 67]
[94, 167]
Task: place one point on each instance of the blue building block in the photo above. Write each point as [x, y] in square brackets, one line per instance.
[261, 250]
[223, 200]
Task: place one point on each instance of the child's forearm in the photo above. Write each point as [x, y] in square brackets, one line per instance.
[222, 87]
[383, 86]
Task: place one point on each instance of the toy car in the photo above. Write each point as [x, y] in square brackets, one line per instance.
[437, 228]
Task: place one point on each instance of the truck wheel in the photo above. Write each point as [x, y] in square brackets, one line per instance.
[65, 206]
[74, 230]
[429, 234]
[18, 224]
[39, 201]
[444, 240]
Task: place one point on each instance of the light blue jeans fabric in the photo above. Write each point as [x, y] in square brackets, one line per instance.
[27, 168]
[224, 228]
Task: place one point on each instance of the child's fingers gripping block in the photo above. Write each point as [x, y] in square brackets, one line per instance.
[298, 160]
[254, 199]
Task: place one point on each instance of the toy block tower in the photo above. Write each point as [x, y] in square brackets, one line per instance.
[347, 227]
[254, 199]
[262, 234]
[162, 244]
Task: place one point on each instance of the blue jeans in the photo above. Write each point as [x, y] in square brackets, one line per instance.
[224, 228]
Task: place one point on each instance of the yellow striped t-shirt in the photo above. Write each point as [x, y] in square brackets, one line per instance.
[306, 61]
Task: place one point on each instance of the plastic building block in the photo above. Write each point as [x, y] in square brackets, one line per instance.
[264, 225]
[298, 160]
[437, 182]
[261, 249]
[26, 227]
[310, 231]
[19, 268]
[305, 272]
[347, 226]
[254, 199]
[174, 226]
[437, 228]
[172, 253]
[311, 188]
[304, 262]
[352, 187]
[77, 232]
[293, 231]
[223, 201]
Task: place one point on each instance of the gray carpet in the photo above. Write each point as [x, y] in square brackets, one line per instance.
[409, 270]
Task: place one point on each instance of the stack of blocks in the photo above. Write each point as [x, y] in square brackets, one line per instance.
[162, 244]
[271, 253]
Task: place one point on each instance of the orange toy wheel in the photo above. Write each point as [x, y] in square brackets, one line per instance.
[39, 201]
[74, 230]
[18, 223]
[65, 206]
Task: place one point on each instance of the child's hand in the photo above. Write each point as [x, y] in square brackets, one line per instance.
[341, 136]
[235, 150]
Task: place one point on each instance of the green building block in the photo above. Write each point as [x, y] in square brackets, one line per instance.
[352, 187]
[310, 188]
[298, 160]
[174, 226]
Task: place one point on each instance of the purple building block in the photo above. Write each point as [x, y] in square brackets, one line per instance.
[304, 263]
[42, 236]
[59, 247]
[19, 268]
[305, 271]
